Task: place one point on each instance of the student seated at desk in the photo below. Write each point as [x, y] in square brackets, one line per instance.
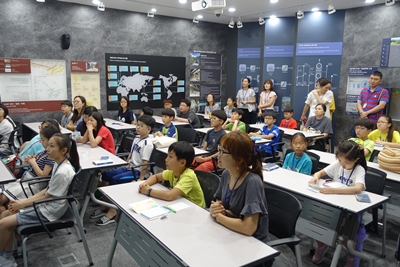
[235, 123]
[363, 128]
[6, 127]
[288, 121]
[97, 134]
[185, 114]
[81, 127]
[298, 161]
[230, 105]
[125, 115]
[182, 179]
[240, 204]
[63, 151]
[211, 105]
[320, 123]
[268, 131]
[386, 134]
[349, 169]
[168, 104]
[79, 108]
[141, 150]
[168, 129]
[147, 111]
[66, 108]
[39, 165]
[211, 142]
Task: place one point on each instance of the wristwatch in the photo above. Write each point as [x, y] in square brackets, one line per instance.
[149, 191]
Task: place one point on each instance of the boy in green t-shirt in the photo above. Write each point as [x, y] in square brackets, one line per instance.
[234, 123]
[182, 180]
[363, 128]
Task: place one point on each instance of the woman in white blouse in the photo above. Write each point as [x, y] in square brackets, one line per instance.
[246, 100]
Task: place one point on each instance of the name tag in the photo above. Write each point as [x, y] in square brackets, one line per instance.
[365, 105]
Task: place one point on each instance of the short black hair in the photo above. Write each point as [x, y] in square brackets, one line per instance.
[49, 131]
[168, 112]
[219, 114]
[288, 109]
[187, 102]
[51, 122]
[366, 123]
[168, 100]
[377, 73]
[148, 120]
[238, 111]
[148, 111]
[67, 103]
[4, 107]
[89, 110]
[270, 114]
[183, 150]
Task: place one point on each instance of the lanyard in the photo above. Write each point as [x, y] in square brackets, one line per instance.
[136, 144]
[228, 193]
[244, 95]
[297, 162]
[380, 137]
[229, 113]
[55, 171]
[342, 178]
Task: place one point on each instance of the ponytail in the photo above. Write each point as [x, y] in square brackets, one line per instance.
[256, 163]
[353, 150]
[72, 155]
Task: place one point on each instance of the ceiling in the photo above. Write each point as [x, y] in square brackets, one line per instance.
[247, 10]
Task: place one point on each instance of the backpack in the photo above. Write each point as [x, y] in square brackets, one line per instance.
[389, 159]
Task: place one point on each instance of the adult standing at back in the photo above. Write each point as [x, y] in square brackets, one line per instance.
[267, 98]
[246, 100]
[372, 100]
[321, 95]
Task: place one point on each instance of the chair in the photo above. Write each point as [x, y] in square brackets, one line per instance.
[70, 219]
[209, 183]
[188, 135]
[283, 211]
[247, 128]
[375, 183]
[397, 253]
[19, 132]
[275, 148]
[298, 124]
[201, 119]
[151, 163]
[11, 141]
[314, 159]
[124, 148]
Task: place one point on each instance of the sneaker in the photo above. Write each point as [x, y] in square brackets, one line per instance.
[105, 220]
[7, 262]
[319, 254]
[350, 261]
[98, 213]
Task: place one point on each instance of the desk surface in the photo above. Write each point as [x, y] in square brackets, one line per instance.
[118, 126]
[287, 131]
[328, 158]
[205, 130]
[214, 245]
[197, 151]
[6, 176]
[34, 126]
[175, 122]
[206, 117]
[88, 154]
[298, 183]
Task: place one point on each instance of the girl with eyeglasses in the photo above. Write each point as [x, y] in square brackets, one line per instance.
[349, 169]
[386, 134]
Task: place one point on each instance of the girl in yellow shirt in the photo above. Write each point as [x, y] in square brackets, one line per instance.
[387, 133]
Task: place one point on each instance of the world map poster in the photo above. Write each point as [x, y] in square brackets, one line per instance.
[144, 80]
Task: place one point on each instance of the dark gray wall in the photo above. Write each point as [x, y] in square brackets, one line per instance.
[364, 30]
[33, 30]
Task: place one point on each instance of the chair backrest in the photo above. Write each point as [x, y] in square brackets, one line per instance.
[73, 183]
[298, 124]
[187, 134]
[247, 128]
[209, 183]
[283, 211]
[11, 140]
[201, 119]
[126, 143]
[375, 181]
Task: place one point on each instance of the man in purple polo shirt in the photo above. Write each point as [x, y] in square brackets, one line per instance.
[372, 100]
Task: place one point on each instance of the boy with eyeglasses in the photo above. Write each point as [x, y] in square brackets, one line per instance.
[363, 128]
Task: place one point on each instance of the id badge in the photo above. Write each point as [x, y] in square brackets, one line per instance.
[365, 105]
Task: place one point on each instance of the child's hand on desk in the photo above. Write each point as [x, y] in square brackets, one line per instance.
[157, 134]
[314, 180]
[216, 208]
[379, 142]
[143, 188]
[327, 190]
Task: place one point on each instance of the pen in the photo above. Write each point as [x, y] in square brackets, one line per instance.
[169, 208]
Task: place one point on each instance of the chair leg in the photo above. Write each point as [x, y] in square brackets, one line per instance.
[24, 253]
[82, 233]
[298, 256]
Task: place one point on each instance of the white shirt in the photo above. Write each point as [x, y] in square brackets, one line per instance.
[141, 150]
[312, 102]
[5, 130]
[348, 177]
[246, 95]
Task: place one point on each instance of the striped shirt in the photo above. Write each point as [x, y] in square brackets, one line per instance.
[42, 159]
[369, 100]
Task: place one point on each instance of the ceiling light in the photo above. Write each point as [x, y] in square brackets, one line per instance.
[199, 16]
[389, 2]
[101, 7]
[274, 1]
[42, 1]
[195, 20]
[300, 13]
[261, 20]
[231, 24]
[331, 9]
[315, 9]
[239, 24]
[369, 1]
[96, 2]
[182, 1]
[232, 9]
[273, 17]
[153, 10]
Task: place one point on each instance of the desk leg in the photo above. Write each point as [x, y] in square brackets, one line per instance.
[336, 255]
[384, 232]
[111, 253]
[350, 247]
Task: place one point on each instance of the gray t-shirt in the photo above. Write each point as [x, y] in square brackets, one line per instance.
[191, 116]
[324, 125]
[246, 200]
[212, 138]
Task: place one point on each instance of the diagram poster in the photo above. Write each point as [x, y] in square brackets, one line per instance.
[357, 79]
[85, 81]
[390, 54]
[145, 80]
[35, 85]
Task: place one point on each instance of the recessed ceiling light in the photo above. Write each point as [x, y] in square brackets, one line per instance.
[369, 1]
[96, 2]
[41, 1]
[232, 9]
[182, 1]
[153, 10]
[274, 1]
[315, 9]
[199, 16]
[273, 17]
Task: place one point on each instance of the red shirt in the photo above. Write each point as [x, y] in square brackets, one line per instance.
[108, 140]
[291, 124]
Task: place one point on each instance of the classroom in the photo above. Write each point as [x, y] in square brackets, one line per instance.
[105, 49]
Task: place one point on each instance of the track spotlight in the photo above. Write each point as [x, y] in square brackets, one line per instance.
[42, 1]
[389, 2]
[195, 20]
[101, 7]
[300, 13]
[231, 24]
[331, 8]
[239, 24]
[261, 20]
[151, 12]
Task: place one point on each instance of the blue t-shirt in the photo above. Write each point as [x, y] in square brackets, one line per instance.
[169, 131]
[301, 165]
[32, 148]
[275, 131]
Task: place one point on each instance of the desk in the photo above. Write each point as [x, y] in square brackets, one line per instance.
[6, 176]
[190, 237]
[287, 131]
[206, 117]
[204, 131]
[197, 151]
[328, 218]
[392, 184]
[175, 122]
[30, 129]
[119, 126]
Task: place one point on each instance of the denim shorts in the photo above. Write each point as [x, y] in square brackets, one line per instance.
[30, 217]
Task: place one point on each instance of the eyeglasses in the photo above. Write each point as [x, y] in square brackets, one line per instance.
[268, 118]
[360, 128]
[221, 151]
[214, 118]
[380, 122]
